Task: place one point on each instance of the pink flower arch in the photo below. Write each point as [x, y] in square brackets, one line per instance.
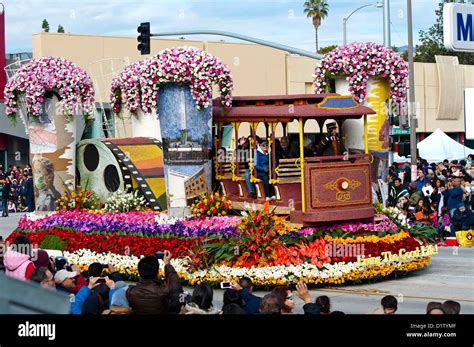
[73, 84]
[358, 62]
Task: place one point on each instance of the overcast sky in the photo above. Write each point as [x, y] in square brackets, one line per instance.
[281, 21]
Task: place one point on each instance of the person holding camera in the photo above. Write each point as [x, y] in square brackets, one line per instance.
[149, 295]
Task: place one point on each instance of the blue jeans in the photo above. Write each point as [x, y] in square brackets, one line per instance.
[265, 179]
[453, 229]
[250, 186]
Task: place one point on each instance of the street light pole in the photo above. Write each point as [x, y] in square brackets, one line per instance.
[386, 23]
[345, 19]
[344, 32]
[411, 102]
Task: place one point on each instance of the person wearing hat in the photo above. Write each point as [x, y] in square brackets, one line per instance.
[262, 168]
[463, 219]
[330, 144]
[69, 281]
[397, 190]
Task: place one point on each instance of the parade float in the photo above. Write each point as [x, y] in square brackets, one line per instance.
[216, 240]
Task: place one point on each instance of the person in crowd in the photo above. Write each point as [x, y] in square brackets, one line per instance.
[435, 307]
[150, 296]
[232, 296]
[11, 206]
[421, 179]
[2, 246]
[454, 194]
[331, 143]
[469, 161]
[463, 219]
[324, 304]
[44, 277]
[437, 197]
[309, 307]
[251, 302]
[286, 299]
[69, 281]
[389, 305]
[96, 270]
[17, 259]
[232, 309]
[28, 191]
[451, 307]
[283, 152]
[444, 223]
[88, 301]
[396, 191]
[177, 302]
[5, 187]
[42, 259]
[201, 301]
[270, 304]
[415, 194]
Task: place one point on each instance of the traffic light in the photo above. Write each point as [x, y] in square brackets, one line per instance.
[404, 149]
[394, 120]
[144, 38]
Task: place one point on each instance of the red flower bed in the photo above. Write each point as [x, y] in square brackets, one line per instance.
[118, 244]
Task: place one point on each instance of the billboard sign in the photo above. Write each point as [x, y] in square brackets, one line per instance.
[458, 27]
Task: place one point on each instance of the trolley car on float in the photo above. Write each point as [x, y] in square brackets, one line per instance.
[311, 189]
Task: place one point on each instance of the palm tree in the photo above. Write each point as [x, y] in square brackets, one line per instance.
[317, 10]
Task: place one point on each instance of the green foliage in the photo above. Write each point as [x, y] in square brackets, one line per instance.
[60, 29]
[432, 42]
[316, 8]
[53, 242]
[423, 232]
[45, 26]
[327, 49]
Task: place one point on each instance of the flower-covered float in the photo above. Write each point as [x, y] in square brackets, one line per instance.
[212, 246]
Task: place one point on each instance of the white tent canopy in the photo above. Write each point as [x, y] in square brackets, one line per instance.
[439, 146]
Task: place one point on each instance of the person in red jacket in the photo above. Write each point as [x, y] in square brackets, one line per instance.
[17, 259]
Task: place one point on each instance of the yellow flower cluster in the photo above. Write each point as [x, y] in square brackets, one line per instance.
[371, 238]
[353, 276]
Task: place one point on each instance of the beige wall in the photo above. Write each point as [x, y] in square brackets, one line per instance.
[257, 70]
[427, 95]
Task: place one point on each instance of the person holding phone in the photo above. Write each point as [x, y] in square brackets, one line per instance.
[150, 295]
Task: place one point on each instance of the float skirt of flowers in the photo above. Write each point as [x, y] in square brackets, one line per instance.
[309, 255]
[337, 273]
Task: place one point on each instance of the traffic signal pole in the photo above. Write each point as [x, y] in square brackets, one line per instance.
[244, 38]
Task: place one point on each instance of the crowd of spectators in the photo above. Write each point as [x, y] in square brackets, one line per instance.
[16, 190]
[442, 195]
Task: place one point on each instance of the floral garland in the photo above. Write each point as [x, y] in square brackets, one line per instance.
[186, 65]
[74, 86]
[358, 62]
[126, 88]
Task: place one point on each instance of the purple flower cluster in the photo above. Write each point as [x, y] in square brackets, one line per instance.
[74, 86]
[381, 223]
[131, 223]
[358, 62]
